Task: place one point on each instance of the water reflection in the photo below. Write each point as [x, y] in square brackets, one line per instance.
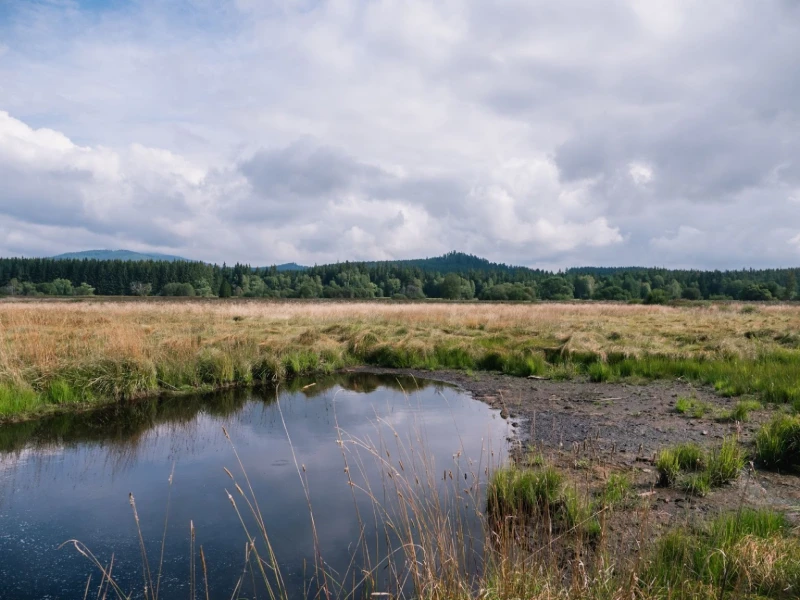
[68, 476]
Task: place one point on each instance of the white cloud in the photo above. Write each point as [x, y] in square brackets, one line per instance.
[640, 173]
[543, 133]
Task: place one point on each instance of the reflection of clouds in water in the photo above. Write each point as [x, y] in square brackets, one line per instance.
[80, 490]
[18, 459]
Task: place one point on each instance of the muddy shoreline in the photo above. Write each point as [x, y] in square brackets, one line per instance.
[599, 428]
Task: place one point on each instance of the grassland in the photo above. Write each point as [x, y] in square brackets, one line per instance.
[57, 355]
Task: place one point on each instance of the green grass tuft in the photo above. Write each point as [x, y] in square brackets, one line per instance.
[778, 443]
[725, 463]
[599, 372]
[744, 554]
[18, 400]
[617, 489]
[697, 471]
[60, 392]
[692, 407]
[514, 491]
[696, 484]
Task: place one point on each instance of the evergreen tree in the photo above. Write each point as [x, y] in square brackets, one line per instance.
[225, 290]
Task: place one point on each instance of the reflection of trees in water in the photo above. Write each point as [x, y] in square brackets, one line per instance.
[119, 425]
[122, 426]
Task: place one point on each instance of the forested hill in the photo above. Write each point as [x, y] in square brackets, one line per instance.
[292, 266]
[452, 262]
[452, 276]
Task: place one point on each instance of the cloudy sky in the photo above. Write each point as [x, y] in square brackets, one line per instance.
[552, 134]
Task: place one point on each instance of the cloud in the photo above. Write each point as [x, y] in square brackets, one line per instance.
[543, 134]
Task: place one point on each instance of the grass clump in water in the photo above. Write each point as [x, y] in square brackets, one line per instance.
[778, 443]
[215, 368]
[526, 494]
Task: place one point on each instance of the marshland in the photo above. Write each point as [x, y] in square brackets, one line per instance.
[426, 450]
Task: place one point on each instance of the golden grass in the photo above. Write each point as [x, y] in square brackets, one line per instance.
[46, 334]
[41, 340]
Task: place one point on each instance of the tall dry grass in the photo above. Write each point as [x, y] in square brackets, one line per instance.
[105, 350]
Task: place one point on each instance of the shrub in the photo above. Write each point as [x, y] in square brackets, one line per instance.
[656, 297]
[178, 289]
[691, 293]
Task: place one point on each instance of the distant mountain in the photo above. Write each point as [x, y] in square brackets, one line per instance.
[290, 267]
[118, 255]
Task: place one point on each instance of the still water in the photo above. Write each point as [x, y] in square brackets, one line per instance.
[69, 477]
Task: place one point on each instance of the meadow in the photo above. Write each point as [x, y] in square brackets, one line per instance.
[61, 355]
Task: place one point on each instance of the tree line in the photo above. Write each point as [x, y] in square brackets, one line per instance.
[454, 276]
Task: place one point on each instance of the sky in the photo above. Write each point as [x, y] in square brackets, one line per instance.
[547, 134]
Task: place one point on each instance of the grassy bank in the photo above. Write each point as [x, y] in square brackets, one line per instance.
[58, 355]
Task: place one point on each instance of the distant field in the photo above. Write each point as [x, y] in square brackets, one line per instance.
[61, 353]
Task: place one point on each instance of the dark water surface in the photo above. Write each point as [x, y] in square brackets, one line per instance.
[69, 477]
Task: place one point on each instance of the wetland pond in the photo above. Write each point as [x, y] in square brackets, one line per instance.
[68, 477]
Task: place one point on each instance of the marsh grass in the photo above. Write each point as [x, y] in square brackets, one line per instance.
[105, 351]
[692, 407]
[618, 489]
[743, 554]
[671, 462]
[778, 443]
[740, 412]
[696, 470]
